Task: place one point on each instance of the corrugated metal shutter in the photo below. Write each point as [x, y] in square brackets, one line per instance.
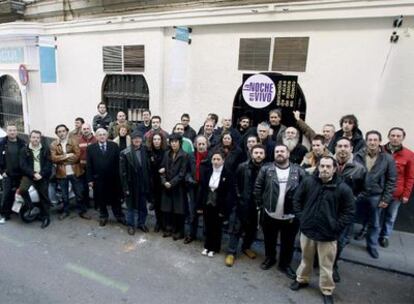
[134, 58]
[112, 58]
[290, 54]
[254, 54]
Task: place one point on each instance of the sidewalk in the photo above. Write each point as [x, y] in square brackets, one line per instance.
[398, 257]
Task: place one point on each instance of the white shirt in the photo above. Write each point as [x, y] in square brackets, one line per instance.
[283, 177]
[68, 168]
[215, 178]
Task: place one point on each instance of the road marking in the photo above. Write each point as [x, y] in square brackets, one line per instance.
[99, 278]
[11, 241]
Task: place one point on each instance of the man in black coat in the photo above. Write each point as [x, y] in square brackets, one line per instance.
[103, 175]
[102, 119]
[36, 169]
[246, 208]
[324, 205]
[349, 129]
[134, 169]
[275, 186]
[189, 132]
[10, 147]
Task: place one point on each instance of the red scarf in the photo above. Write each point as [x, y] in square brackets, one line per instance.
[199, 158]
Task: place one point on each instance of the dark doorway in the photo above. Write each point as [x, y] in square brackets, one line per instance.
[127, 93]
[240, 107]
[11, 107]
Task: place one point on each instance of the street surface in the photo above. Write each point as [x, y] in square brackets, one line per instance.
[75, 261]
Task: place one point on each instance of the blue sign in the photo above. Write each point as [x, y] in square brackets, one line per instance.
[47, 64]
[11, 55]
[182, 33]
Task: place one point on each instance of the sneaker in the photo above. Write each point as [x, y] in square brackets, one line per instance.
[383, 242]
[2, 220]
[229, 261]
[210, 254]
[250, 253]
[204, 252]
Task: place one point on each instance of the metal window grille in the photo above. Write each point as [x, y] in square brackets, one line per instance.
[254, 54]
[112, 58]
[11, 107]
[134, 58]
[290, 54]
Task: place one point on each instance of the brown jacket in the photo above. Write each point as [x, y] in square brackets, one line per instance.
[59, 158]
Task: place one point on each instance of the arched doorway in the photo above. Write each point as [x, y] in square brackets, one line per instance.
[11, 106]
[240, 107]
[128, 93]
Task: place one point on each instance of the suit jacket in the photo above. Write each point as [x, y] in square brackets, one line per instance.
[102, 167]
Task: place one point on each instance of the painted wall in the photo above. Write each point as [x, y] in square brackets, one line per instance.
[352, 68]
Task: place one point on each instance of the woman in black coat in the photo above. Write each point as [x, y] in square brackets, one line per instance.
[157, 145]
[231, 151]
[215, 196]
[173, 203]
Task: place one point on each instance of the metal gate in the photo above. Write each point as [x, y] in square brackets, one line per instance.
[11, 107]
[128, 93]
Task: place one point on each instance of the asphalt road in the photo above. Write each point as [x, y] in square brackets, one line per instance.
[75, 261]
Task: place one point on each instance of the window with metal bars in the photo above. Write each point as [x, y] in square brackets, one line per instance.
[11, 106]
[127, 58]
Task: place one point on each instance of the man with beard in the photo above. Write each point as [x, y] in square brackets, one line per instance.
[296, 149]
[246, 209]
[404, 160]
[121, 121]
[275, 187]
[251, 141]
[349, 129]
[155, 128]
[263, 133]
[244, 125]
[353, 174]
[324, 205]
[312, 158]
[277, 129]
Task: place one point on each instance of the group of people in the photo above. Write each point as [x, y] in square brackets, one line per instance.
[235, 176]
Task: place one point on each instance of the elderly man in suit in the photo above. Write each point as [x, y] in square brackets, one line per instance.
[103, 175]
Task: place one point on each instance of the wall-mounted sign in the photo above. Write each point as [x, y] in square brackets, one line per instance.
[182, 33]
[23, 75]
[258, 91]
[11, 55]
[47, 55]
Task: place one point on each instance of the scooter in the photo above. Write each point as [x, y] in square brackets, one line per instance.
[31, 212]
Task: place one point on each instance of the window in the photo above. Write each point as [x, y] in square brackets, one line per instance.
[128, 93]
[290, 54]
[11, 107]
[128, 58]
[254, 54]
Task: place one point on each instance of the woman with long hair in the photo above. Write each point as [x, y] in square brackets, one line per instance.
[157, 145]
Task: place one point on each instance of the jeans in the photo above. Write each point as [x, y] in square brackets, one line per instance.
[42, 189]
[373, 215]
[10, 184]
[243, 228]
[77, 188]
[140, 212]
[343, 240]
[388, 217]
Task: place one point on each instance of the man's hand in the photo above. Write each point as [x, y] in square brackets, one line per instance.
[37, 176]
[383, 205]
[90, 184]
[297, 115]
[126, 193]
[162, 170]
[405, 200]
[167, 185]
[4, 175]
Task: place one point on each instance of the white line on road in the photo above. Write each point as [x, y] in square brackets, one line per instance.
[99, 278]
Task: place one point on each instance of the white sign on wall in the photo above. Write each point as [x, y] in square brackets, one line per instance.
[258, 91]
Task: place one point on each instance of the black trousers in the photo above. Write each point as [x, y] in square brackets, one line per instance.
[245, 228]
[192, 210]
[174, 222]
[288, 230]
[105, 194]
[10, 184]
[212, 224]
[42, 187]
